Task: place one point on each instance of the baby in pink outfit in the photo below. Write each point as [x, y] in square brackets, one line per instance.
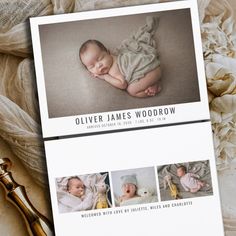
[189, 181]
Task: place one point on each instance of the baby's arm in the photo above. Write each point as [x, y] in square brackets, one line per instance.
[194, 175]
[117, 82]
[121, 198]
[86, 204]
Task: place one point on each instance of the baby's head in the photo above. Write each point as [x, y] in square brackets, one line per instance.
[129, 185]
[75, 186]
[181, 171]
[95, 57]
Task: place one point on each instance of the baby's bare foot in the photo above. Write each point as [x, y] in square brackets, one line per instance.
[153, 90]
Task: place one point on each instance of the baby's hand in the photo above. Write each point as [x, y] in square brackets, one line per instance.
[120, 199]
[95, 76]
[102, 77]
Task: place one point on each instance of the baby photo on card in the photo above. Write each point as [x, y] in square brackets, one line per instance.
[119, 68]
[83, 192]
[134, 186]
[185, 180]
[109, 66]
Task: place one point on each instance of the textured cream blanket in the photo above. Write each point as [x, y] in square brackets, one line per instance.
[138, 55]
[19, 124]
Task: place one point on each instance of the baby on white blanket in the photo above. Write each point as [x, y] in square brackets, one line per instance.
[77, 196]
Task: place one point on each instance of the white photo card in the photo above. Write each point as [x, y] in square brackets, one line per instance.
[74, 102]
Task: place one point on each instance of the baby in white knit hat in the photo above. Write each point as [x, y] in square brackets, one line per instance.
[129, 187]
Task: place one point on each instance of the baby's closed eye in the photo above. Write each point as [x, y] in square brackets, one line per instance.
[90, 67]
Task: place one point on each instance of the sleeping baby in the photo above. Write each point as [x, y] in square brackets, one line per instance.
[76, 187]
[129, 187]
[189, 181]
[135, 67]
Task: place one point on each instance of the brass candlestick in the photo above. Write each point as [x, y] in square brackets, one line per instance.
[37, 224]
